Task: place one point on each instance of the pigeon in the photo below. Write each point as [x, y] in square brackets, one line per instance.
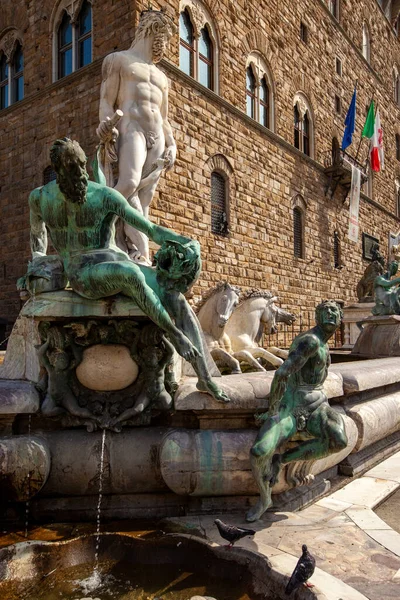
[232, 534]
[303, 571]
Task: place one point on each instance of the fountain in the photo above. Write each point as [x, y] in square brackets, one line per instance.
[96, 423]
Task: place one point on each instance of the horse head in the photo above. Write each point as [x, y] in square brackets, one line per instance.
[226, 303]
[282, 316]
[274, 314]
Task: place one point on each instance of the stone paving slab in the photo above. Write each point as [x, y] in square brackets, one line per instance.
[388, 469]
[366, 491]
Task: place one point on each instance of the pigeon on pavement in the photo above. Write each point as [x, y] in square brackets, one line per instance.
[232, 534]
[303, 571]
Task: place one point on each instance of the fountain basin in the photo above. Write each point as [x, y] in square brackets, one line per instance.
[178, 567]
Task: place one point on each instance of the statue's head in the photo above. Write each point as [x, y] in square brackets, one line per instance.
[393, 268]
[69, 162]
[328, 315]
[178, 265]
[158, 24]
[59, 360]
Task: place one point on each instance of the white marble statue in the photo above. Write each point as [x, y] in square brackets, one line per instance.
[233, 328]
[135, 86]
[214, 311]
[257, 313]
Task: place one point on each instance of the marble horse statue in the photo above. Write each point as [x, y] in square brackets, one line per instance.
[214, 311]
[256, 313]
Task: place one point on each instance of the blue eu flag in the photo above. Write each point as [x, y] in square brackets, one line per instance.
[350, 122]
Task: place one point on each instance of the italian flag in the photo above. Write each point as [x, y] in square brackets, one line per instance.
[373, 131]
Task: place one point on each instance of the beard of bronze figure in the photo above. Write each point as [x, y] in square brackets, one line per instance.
[74, 188]
[69, 163]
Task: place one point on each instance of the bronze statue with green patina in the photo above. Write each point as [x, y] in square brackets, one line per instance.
[79, 215]
[387, 292]
[298, 405]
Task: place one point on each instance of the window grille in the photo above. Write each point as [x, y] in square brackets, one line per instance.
[219, 217]
[303, 32]
[186, 44]
[338, 104]
[338, 66]
[298, 232]
[49, 175]
[336, 250]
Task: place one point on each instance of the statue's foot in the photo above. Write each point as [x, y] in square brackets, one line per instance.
[184, 346]
[258, 510]
[210, 387]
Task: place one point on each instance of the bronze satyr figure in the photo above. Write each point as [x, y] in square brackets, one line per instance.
[298, 404]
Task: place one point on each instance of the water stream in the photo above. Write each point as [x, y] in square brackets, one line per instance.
[27, 506]
[94, 581]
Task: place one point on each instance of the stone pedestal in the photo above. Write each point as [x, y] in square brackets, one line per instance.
[379, 338]
[352, 315]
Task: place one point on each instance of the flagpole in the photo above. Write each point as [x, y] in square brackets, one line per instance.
[361, 140]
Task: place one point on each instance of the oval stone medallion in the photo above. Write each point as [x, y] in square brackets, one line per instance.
[107, 368]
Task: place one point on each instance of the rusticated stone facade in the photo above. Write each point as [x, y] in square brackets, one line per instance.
[266, 173]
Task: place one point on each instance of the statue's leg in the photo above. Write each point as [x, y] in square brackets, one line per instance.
[275, 361]
[227, 360]
[137, 282]
[327, 427]
[272, 434]
[132, 154]
[186, 321]
[246, 357]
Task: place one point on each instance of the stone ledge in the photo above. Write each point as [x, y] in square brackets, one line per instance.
[18, 397]
[68, 304]
[248, 392]
[360, 375]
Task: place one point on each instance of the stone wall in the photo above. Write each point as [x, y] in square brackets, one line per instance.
[267, 172]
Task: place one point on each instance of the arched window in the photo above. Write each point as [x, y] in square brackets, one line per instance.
[306, 134]
[49, 175]
[219, 204]
[186, 45]
[298, 233]
[396, 86]
[4, 84]
[73, 37]
[366, 43]
[198, 46]
[17, 75]
[65, 46]
[264, 103]
[397, 195]
[333, 6]
[303, 133]
[259, 90]
[11, 74]
[297, 126]
[250, 93]
[84, 35]
[205, 58]
[337, 250]
[397, 146]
